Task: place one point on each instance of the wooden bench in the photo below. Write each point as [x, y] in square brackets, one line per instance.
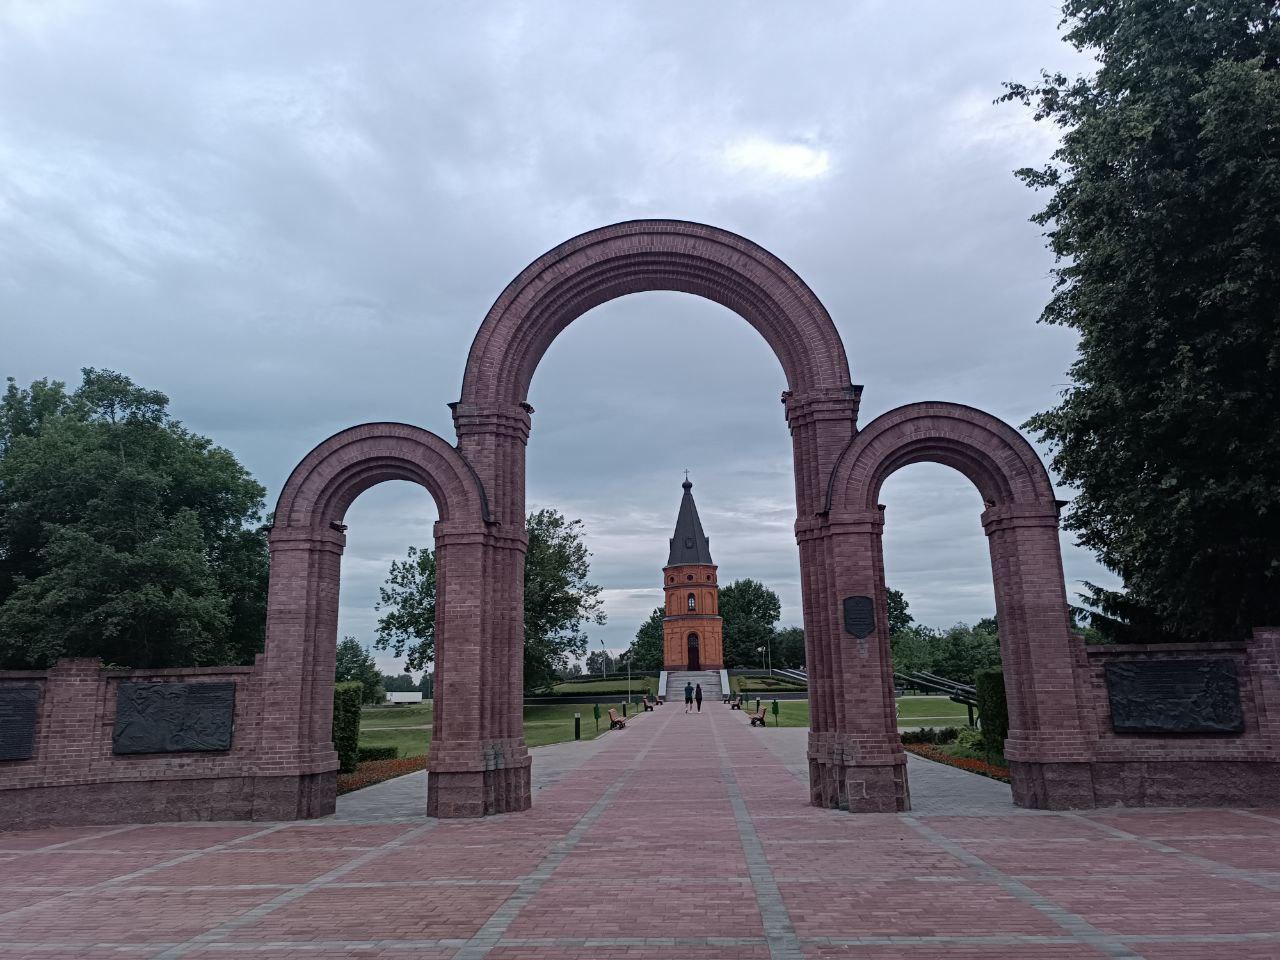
[647, 704]
[615, 721]
[757, 718]
[736, 703]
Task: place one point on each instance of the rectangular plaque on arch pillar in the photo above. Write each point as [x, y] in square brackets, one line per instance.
[173, 717]
[1174, 696]
[859, 616]
[18, 707]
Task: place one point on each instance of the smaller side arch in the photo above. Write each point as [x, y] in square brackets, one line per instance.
[330, 477]
[856, 758]
[478, 760]
[995, 457]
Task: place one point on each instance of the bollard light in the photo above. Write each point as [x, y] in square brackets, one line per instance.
[577, 726]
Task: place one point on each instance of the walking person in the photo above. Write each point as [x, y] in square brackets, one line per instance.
[697, 695]
[688, 697]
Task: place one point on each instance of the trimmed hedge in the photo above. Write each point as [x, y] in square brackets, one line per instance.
[930, 735]
[347, 700]
[993, 708]
[368, 754]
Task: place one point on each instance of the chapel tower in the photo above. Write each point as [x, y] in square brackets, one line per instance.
[692, 637]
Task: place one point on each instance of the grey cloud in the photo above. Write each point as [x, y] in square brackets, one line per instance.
[292, 217]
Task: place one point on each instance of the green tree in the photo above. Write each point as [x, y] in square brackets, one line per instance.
[962, 651]
[788, 648]
[354, 664]
[123, 535]
[750, 610]
[398, 683]
[599, 663]
[559, 600]
[899, 613]
[1164, 216]
[912, 648]
[645, 652]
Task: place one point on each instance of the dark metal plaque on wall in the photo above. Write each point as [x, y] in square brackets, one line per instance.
[1174, 696]
[173, 717]
[18, 706]
[859, 616]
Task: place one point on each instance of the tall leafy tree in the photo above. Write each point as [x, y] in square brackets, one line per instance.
[355, 663]
[645, 652]
[559, 600]
[750, 611]
[122, 534]
[1164, 216]
[788, 648]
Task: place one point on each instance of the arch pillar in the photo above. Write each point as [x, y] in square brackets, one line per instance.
[477, 762]
[1047, 748]
[856, 760]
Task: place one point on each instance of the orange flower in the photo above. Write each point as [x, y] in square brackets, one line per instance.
[973, 765]
[375, 771]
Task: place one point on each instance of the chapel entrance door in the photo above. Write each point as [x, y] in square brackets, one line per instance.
[694, 662]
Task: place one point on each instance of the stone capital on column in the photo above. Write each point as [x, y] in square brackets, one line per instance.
[500, 419]
[1011, 516]
[840, 403]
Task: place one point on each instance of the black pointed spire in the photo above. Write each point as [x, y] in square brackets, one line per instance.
[690, 544]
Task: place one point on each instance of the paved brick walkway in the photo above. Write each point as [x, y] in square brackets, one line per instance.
[683, 837]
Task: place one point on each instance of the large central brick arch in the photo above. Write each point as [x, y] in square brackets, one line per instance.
[307, 541]
[855, 754]
[493, 420]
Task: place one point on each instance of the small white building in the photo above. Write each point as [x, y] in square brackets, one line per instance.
[414, 697]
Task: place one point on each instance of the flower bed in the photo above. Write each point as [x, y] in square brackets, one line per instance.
[972, 764]
[375, 771]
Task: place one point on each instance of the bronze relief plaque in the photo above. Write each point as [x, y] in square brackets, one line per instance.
[1175, 696]
[859, 616]
[173, 717]
[19, 704]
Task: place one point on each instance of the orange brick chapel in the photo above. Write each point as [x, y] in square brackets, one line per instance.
[692, 636]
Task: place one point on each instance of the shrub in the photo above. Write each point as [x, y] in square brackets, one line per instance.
[368, 754]
[969, 739]
[930, 735]
[347, 698]
[993, 709]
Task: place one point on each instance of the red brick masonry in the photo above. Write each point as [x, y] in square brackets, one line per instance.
[282, 764]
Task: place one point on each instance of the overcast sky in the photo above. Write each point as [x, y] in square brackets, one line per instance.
[293, 216]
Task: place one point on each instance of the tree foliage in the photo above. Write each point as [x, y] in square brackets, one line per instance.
[645, 652]
[749, 611]
[559, 601]
[354, 664]
[122, 534]
[1164, 217]
[958, 653]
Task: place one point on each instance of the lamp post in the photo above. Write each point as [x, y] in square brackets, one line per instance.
[760, 650]
[604, 661]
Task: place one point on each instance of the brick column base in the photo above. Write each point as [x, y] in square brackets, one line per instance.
[857, 775]
[465, 784]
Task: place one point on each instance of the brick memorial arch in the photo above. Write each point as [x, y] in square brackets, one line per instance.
[472, 735]
[1169, 724]
[493, 417]
[1021, 523]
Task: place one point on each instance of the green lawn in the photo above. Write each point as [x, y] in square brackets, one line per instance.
[764, 684]
[912, 712]
[614, 686]
[542, 725]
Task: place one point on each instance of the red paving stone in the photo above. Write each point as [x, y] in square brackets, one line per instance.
[377, 913]
[681, 837]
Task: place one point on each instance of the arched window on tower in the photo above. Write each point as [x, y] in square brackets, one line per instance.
[693, 602]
